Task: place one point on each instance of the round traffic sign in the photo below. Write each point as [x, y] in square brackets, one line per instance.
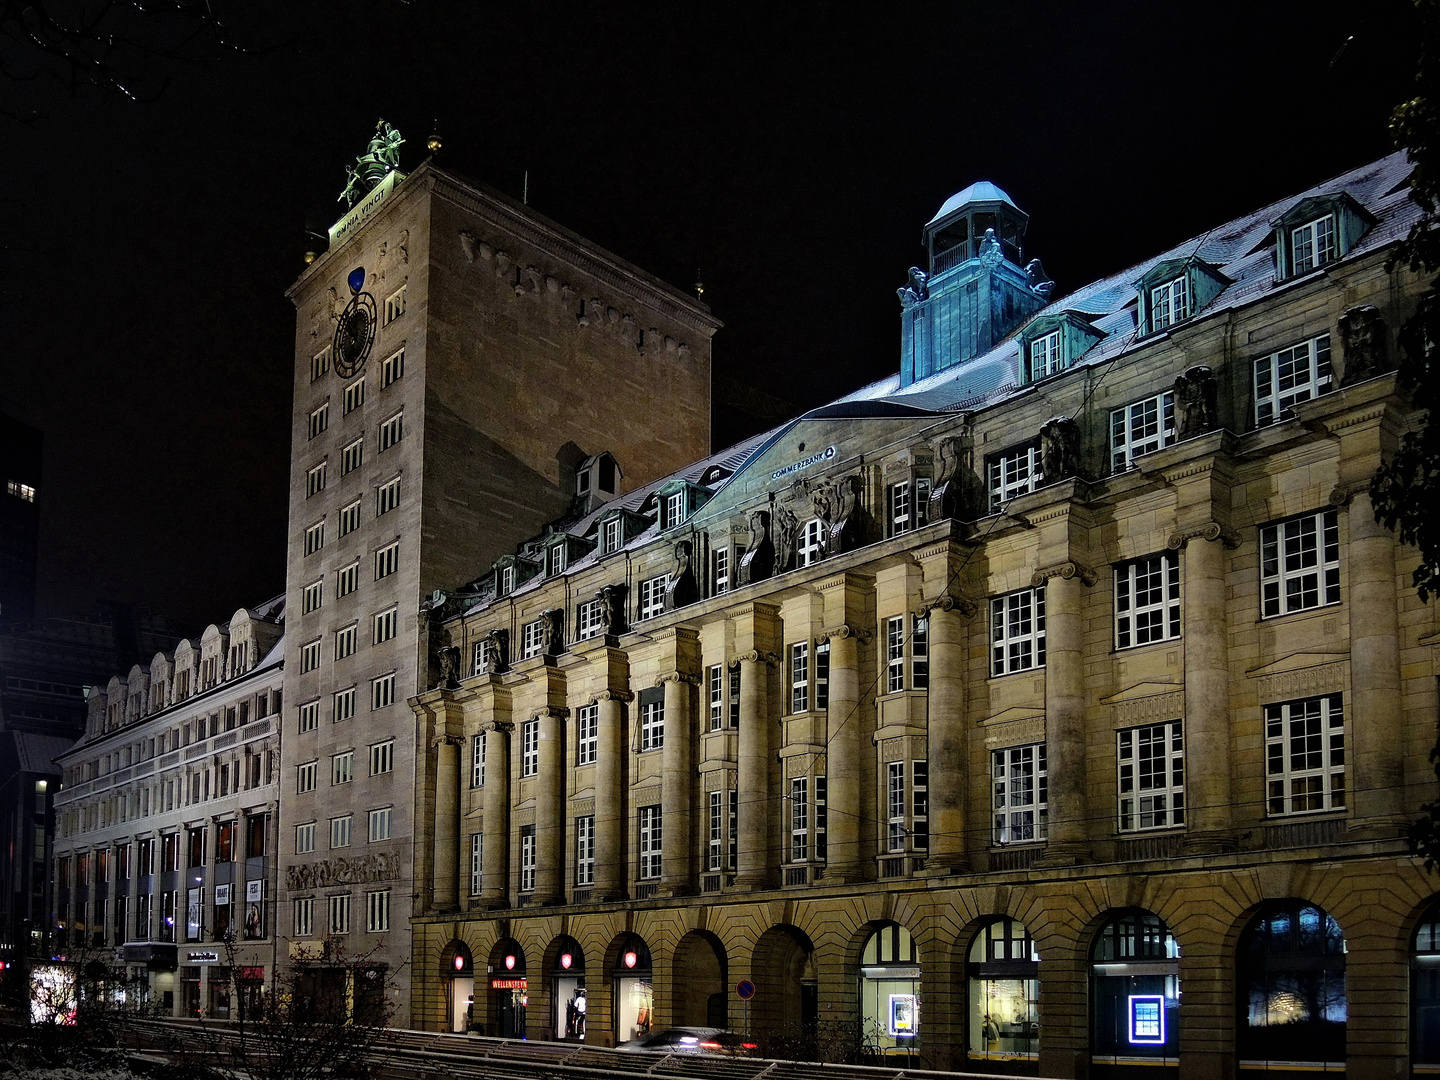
[745, 989]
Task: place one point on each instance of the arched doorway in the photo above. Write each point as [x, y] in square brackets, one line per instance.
[569, 1005]
[509, 990]
[700, 998]
[1290, 990]
[1135, 996]
[1425, 990]
[1003, 1018]
[633, 995]
[457, 976]
[782, 1014]
[890, 993]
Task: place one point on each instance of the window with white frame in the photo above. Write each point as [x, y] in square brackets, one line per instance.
[799, 677]
[720, 570]
[587, 734]
[1017, 631]
[349, 517]
[377, 911]
[339, 907]
[811, 548]
[315, 480]
[382, 691]
[315, 537]
[310, 655]
[652, 722]
[1147, 601]
[588, 621]
[1313, 244]
[347, 579]
[674, 509]
[354, 396]
[391, 431]
[380, 822]
[311, 596]
[1291, 375]
[1150, 776]
[391, 368]
[532, 639]
[554, 560]
[1012, 473]
[652, 597]
[387, 560]
[735, 697]
[387, 496]
[382, 757]
[1141, 427]
[585, 850]
[320, 364]
[822, 821]
[715, 846]
[527, 858]
[649, 842]
[480, 662]
[304, 909]
[304, 837]
[352, 456]
[1300, 564]
[1169, 303]
[822, 675]
[306, 774]
[1305, 755]
[342, 767]
[529, 747]
[799, 819]
[920, 652]
[1018, 794]
[345, 639]
[395, 304]
[477, 862]
[715, 684]
[382, 625]
[920, 804]
[319, 420]
[1045, 356]
[477, 761]
[309, 716]
[898, 508]
[610, 536]
[895, 806]
[505, 581]
[344, 704]
[895, 654]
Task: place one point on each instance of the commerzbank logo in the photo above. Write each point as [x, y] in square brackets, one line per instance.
[804, 463]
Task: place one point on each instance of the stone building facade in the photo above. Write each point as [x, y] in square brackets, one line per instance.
[1055, 706]
[165, 858]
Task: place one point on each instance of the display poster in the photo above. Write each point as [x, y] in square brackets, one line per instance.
[903, 1018]
[1147, 1020]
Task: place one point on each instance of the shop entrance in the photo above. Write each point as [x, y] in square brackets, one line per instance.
[634, 996]
[890, 994]
[569, 1004]
[509, 990]
[458, 973]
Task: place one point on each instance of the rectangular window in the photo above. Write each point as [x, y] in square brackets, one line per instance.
[649, 842]
[1292, 375]
[382, 691]
[377, 911]
[610, 536]
[1169, 303]
[342, 767]
[481, 660]
[895, 806]
[1141, 428]
[1300, 564]
[1018, 787]
[587, 734]
[477, 761]
[652, 723]
[1147, 601]
[395, 305]
[822, 821]
[715, 681]
[527, 858]
[380, 823]
[920, 653]
[309, 715]
[652, 597]
[387, 560]
[1312, 244]
[822, 675]
[382, 757]
[315, 537]
[532, 639]
[800, 819]
[1045, 356]
[1150, 763]
[315, 480]
[387, 496]
[310, 655]
[585, 850]
[349, 518]
[304, 916]
[305, 838]
[898, 509]
[382, 625]
[530, 748]
[554, 560]
[800, 677]
[305, 775]
[477, 862]
[674, 509]
[340, 831]
[343, 702]
[895, 654]
[339, 914]
[352, 456]
[1013, 472]
[812, 546]
[319, 420]
[720, 571]
[734, 829]
[1017, 631]
[715, 849]
[391, 368]
[587, 619]
[391, 431]
[354, 396]
[320, 364]
[311, 596]
[735, 697]
[1305, 755]
[920, 805]
[345, 641]
[347, 579]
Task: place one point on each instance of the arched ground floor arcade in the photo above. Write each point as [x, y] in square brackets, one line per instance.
[1227, 966]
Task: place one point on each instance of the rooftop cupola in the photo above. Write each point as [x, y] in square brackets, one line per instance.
[975, 291]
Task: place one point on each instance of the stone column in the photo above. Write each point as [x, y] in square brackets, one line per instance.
[611, 860]
[495, 878]
[1065, 712]
[753, 861]
[677, 792]
[946, 743]
[550, 807]
[445, 873]
[1207, 689]
[1374, 724]
[843, 747]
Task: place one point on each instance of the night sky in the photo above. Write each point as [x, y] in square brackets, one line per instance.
[792, 159]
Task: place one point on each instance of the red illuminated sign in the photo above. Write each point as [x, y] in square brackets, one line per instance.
[508, 984]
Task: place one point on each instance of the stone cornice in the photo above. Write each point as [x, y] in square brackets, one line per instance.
[1069, 569]
[1211, 530]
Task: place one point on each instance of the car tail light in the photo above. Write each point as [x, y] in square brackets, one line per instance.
[750, 1046]
[710, 1045]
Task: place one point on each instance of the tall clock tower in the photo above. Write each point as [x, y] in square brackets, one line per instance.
[456, 354]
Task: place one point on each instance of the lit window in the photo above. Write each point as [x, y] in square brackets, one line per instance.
[309, 716]
[304, 916]
[652, 722]
[1017, 631]
[1169, 303]
[382, 757]
[1151, 776]
[383, 625]
[1147, 601]
[380, 822]
[339, 914]
[1300, 564]
[354, 396]
[305, 776]
[350, 518]
[347, 579]
[387, 496]
[587, 734]
[305, 838]
[352, 456]
[319, 420]
[311, 596]
[587, 619]
[395, 305]
[1013, 472]
[1305, 755]
[530, 748]
[377, 911]
[391, 431]
[391, 368]
[315, 480]
[1292, 375]
[382, 691]
[799, 819]
[532, 639]
[343, 705]
[340, 831]
[1312, 244]
[812, 540]
[799, 678]
[527, 858]
[1019, 790]
[1045, 356]
[24, 492]
[652, 597]
[315, 537]
[1141, 428]
[310, 655]
[585, 850]
[387, 560]
[320, 364]
[345, 641]
[342, 767]
[649, 842]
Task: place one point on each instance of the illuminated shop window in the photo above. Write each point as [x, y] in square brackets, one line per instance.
[1135, 996]
[1004, 1001]
[1290, 988]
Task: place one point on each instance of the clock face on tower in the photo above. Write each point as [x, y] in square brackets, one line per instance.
[355, 330]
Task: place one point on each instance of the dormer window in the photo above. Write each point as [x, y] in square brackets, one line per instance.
[1316, 231]
[1312, 244]
[555, 560]
[610, 536]
[505, 583]
[674, 509]
[1052, 343]
[1045, 356]
[1174, 290]
[1169, 303]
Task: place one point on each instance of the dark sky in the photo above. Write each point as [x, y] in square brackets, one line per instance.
[792, 158]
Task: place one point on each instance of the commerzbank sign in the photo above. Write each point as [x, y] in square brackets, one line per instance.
[361, 211]
[804, 463]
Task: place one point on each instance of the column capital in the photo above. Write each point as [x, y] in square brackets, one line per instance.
[679, 677]
[845, 630]
[504, 727]
[553, 712]
[1069, 569]
[1211, 530]
[755, 656]
[615, 695]
[952, 602]
[447, 740]
[1347, 490]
